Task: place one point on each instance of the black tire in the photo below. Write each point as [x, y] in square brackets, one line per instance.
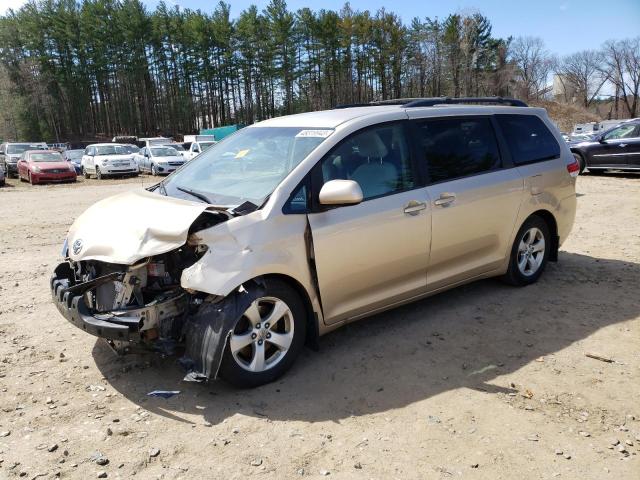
[238, 376]
[30, 179]
[86, 174]
[514, 275]
[154, 171]
[580, 161]
[98, 173]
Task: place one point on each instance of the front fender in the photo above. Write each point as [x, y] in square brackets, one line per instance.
[248, 247]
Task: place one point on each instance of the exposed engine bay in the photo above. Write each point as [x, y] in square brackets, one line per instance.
[143, 306]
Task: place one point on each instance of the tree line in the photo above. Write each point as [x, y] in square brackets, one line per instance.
[72, 70]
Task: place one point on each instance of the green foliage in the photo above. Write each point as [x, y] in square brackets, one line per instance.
[111, 67]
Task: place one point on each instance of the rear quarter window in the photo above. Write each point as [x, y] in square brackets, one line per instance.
[528, 138]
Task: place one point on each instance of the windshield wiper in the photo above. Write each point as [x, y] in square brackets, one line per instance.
[193, 193]
[245, 207]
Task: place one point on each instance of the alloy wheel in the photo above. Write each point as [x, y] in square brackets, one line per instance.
[263, 335]
[531, 251]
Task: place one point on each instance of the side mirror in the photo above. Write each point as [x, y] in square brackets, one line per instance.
[601, 139]
[340, 192]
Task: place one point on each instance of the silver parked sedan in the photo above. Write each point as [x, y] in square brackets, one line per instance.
[298, 225]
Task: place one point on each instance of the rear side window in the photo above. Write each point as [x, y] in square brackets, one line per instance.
[456, 147]
[528, 138]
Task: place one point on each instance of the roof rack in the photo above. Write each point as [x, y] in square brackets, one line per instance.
[430, 102]
[433, 101]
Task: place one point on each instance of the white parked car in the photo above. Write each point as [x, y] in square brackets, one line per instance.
[108, 159]
[158, 160]
[197, 148]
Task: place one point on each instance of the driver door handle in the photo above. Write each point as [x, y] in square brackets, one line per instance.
[445, 199]
[622, 145]
[413, 207]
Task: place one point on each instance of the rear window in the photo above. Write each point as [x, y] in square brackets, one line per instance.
[528, 138]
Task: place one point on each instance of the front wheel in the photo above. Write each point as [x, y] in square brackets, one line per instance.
[86, 174]
[98, 173]
[267, 338]
[529, 253]
[154, 172]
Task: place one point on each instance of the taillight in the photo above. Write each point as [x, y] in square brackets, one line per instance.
[573, 168]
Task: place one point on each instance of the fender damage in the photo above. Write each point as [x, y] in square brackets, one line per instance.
[121, 280]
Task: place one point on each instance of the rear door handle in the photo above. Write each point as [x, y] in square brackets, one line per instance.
[445, 199]
[414, 206]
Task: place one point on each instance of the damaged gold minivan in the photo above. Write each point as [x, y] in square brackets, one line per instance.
[297, 225]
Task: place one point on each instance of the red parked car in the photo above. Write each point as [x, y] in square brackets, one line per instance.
[38, 166]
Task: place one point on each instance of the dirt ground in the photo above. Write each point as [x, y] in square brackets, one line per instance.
[485, 381]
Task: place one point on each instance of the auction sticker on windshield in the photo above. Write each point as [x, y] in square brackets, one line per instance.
[314, 133]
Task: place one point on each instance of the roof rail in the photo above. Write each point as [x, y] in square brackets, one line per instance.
[430, 102]
[433, 101]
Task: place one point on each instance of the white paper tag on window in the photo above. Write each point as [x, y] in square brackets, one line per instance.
[315, 133]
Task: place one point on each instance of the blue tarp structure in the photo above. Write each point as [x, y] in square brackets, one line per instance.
[220, 132]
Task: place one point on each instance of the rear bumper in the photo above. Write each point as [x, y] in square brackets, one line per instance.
[72, 306]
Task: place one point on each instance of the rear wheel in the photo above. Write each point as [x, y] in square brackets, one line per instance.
[267, 338]
[529, 253]
[580, 161]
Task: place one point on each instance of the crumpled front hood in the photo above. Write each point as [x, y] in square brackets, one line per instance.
[130, 226]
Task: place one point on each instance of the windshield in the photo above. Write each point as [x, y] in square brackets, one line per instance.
[45, 157]
[22, 147]
[178, 147]
[163, 152]
[158, 141]
[246, 166]
[110, 150]
[131, 148]
[74, 154]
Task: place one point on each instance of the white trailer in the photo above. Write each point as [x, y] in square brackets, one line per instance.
[199, 138]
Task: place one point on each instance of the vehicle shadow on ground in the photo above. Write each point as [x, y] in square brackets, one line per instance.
[612, 173]
[463, 338]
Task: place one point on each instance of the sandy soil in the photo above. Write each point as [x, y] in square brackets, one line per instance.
[485, 381]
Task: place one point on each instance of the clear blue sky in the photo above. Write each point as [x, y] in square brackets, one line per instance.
[566, 26]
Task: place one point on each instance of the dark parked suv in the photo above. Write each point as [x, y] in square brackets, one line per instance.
[615, 149]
